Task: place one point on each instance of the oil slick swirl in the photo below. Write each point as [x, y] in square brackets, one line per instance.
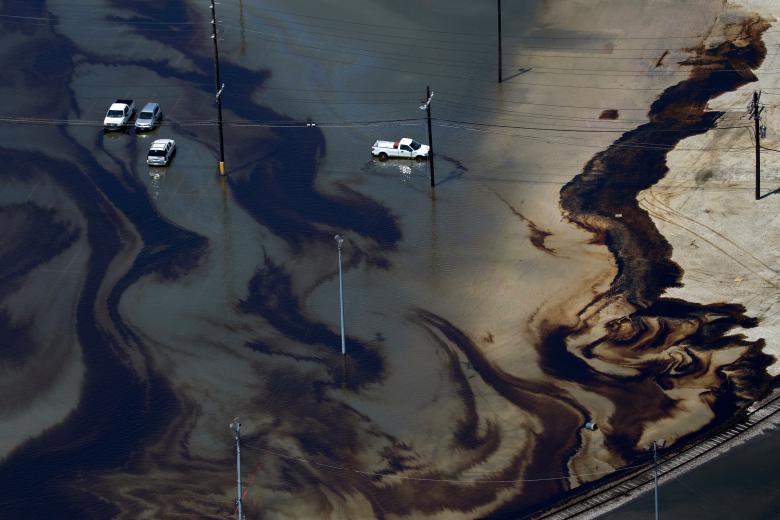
[141, 414]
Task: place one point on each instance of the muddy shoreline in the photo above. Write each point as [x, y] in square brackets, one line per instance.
[668, 342]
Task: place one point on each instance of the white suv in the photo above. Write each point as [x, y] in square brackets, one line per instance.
[161, 152]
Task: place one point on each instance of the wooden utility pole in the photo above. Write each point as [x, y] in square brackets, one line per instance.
[427, 108]
[755, 114]
[236, 427]
[500, 74]
[218, 87]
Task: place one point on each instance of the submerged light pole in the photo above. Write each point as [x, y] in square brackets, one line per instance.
[655, 476]
[339, 242]
[236, 427]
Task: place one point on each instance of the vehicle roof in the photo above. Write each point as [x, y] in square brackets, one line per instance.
[406, 140]
[117, 106]
[149, 107]
[160, 144]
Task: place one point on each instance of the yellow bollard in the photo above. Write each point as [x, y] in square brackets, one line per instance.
[221, 168]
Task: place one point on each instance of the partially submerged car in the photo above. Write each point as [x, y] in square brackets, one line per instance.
[161, 152]
[119, 114]
[149, 117]
[405, 147]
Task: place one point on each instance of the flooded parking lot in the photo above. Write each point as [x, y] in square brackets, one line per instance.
[487, 319]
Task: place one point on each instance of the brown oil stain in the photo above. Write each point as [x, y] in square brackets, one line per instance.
[538, 236]
[661, 59]
[609, 113]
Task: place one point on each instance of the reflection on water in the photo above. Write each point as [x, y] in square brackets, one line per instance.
[406, 173]
[157, 176]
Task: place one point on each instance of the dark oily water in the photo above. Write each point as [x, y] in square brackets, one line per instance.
[127, 449]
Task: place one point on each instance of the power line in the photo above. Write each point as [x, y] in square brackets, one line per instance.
[638, 145]
[500, 112]
[353, 22]
[427, 479]
[121, 22]
[583, 130]
[208, 122]
[351, 49]
[299, 124]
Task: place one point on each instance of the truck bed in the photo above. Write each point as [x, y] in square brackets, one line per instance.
[386, 144]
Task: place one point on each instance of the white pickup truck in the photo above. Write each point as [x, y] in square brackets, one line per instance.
[119, 114]
[402, 148]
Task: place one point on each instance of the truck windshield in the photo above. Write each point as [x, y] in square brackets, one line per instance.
[145, 115]
[115, 113]
[156, 153]
[415, 145]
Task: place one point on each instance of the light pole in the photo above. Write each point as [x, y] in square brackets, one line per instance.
[655, 476]
[236, 427]
[339, 242]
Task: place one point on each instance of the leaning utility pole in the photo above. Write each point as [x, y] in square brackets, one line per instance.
[755, 109]
[500, 76]
[236, 427]
[427, 108]
[218, 87]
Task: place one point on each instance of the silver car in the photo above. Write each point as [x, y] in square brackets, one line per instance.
[149, 117]
[161, 152]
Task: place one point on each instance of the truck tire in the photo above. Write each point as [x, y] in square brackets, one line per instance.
[419, 158]
[382, 156]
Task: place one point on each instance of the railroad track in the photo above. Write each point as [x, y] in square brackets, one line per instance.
[667, 464]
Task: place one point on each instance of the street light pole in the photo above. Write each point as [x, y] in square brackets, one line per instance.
[655, 476]
[339, 242]
[236, 427]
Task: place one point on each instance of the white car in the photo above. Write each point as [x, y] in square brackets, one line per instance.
[405, 147]
[161, 152]
[149, 117]
[119, 114]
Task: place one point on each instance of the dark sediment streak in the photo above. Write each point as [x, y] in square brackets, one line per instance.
[109, 425]
[559, 413]
[538, 236]
[118, 414]
[271, 296]
[275, 181]
[609, 185]
[32, 236]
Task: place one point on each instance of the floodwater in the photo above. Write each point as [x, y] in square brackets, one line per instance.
[742, 483]
[147, 307]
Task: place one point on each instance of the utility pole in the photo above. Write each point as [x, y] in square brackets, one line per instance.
[755, 109]
[500, 75]
[427, 107]
[236, 427]
[655, 476]
[219, 87]
[339, 242]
